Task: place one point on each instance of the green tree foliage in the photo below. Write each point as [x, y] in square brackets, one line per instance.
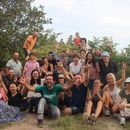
[18, 19]
[104, 43]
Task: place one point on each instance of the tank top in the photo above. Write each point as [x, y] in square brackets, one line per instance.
[115, 94]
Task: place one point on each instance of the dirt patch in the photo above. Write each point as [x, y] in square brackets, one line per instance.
[28, 123]
[71, 123]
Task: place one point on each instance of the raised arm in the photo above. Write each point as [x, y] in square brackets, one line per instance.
[85, 75]
[123, 75]
[65, 72]
[24, 83]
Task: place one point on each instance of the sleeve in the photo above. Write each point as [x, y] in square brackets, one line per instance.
[39, 88]
[59, 88]
[8, 64]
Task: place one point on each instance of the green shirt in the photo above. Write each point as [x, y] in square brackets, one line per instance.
[51, 96]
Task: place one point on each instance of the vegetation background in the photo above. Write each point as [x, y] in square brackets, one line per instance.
[18, 19]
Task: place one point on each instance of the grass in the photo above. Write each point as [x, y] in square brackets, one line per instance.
[76, 123]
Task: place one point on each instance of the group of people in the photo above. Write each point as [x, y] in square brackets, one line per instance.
[75, 82]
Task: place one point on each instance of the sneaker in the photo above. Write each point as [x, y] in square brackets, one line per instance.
[107, 112]
[39, 123]
[92, 119]
[86, 117]
[122, 121]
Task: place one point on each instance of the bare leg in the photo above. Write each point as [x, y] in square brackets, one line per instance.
[89, 107]
[99, 108]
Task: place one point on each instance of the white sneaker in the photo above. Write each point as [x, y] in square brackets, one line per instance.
[122, 121]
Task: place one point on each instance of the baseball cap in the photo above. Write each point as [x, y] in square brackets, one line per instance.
[105, 53]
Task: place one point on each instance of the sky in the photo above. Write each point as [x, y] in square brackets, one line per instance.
[90, 18]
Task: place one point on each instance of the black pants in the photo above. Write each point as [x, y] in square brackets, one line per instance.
[34, 101]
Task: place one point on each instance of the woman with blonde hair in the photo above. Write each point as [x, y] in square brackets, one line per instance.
[111, 96]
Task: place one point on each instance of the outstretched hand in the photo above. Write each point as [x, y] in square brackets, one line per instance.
[22, 80]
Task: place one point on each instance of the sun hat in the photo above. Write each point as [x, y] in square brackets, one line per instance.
[61, 76]
[127, 80]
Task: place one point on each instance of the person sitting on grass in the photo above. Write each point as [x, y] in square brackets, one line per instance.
[76, 99]
[94, 103]
[7, 113]
[125, 102]
[16, 99]
[48, 104]
[111, 92]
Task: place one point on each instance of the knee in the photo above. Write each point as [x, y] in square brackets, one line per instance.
[67, 111]
[106, 94]
[115, 108]
[42, 100]
[56, 114]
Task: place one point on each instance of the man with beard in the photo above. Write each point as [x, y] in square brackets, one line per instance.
[15, 64]
[48, 104]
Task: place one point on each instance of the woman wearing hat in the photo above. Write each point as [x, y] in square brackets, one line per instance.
[125, 102]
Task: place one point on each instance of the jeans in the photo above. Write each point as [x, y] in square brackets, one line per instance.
[44, 108]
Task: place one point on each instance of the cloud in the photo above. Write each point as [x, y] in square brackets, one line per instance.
[90, 17]
[62, 5]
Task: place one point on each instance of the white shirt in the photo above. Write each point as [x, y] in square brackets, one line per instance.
[75, 69]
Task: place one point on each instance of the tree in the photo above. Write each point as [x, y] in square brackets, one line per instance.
[18, 19]
[103, 43]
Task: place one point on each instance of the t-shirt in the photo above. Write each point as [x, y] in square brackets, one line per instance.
[15, 100]
[77, 40]
[124, 95]
[104, 70]
[79, 96]
[51, 96]
[16, 66]
[29, 43]
[75, 69]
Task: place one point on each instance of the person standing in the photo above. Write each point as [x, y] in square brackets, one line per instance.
[15, 64]
[29, 43]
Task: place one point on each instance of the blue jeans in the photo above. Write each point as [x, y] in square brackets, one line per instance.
[44, 108]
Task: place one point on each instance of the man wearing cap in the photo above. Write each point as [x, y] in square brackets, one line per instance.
[106, 66]
[125, 102]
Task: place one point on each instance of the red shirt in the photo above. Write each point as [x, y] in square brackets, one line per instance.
[77, 40]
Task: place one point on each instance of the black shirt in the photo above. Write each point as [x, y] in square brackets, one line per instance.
[15, 100]
[79, 96]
